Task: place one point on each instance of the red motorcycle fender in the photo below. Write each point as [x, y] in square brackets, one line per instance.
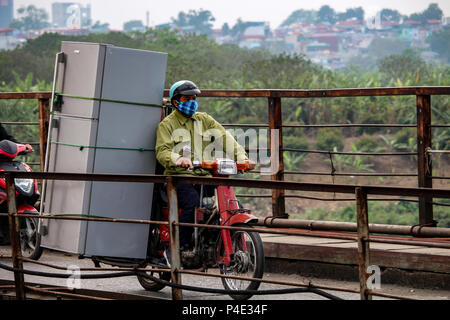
[26, 208]
[242, 218]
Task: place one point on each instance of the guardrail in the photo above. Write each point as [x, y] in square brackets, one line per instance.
[274, 96]
[44, 115]
[360, 193]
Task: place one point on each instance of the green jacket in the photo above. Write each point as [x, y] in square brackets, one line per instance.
[176, 130]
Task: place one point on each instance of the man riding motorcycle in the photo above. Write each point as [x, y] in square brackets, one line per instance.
[197, 132]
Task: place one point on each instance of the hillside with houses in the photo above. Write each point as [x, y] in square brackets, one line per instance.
[326, 37]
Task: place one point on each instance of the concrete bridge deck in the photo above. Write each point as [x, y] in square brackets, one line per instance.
[407, 264]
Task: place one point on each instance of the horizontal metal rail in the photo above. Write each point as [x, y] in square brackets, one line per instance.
[335, 199]
[352, 153]
[325, 93]
[260, 184]
[350, 125]
[282, 93]
[21, 123]
[368, 174]
[424, 231]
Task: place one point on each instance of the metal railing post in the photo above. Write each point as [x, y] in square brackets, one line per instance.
[175, 260]
[363, 241]
[275, 123]
[14, 231]
[44, 115]
[424, 168]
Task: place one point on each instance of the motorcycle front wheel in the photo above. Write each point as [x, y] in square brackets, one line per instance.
[247, 260]
[151, 285]
[30, 239]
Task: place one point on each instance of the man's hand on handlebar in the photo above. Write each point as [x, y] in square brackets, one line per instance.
[250, 164]
[184, 162]
[29, 148]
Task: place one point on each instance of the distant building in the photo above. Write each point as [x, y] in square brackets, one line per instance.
[254, 35]
[331, 39]
[7, 40]
[70, 15]
[6, 13]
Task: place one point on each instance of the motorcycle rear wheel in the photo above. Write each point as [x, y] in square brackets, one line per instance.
[151, 285]
[247, 261]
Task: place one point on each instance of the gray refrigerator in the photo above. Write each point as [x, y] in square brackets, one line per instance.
[94, 130]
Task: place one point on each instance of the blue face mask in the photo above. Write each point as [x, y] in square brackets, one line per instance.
[188, 107]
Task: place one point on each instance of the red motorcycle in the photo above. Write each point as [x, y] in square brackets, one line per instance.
[236, 253]
[27, 194]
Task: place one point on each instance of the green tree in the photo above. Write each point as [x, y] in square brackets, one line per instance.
[300, 16]
[389, 14]
[382, 47]
[226, 29]
[433, 12]
[30, 18]
[200, 21]
[326, 14]
[439, 43]
[100, 27]
[403, 67]
[134, 25]
[350, 13]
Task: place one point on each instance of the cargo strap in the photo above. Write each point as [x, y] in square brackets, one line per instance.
[58, 95]
[81, 147]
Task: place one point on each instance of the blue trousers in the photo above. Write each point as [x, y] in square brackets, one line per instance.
[189, 199]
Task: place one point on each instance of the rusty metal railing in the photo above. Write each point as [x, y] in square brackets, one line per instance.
[44, 115]
[274, 96]
[424, 126]
[360, 193]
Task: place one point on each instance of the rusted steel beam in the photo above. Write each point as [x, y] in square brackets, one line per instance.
[175, 259]
[14, 123]
[276, 158]
[324, 93]
[399, 259]
[61, 294]
[352, 227]
[353, 153]
[44, 115]
[356, 92]
[350, 125]
[279, 93]
[14, 231]
[362, 224]
[25, 95]
[424, 165]
[363, 174]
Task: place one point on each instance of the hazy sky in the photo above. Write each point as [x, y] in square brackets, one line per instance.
[274, 11]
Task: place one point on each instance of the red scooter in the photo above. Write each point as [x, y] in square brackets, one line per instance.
[236, 253]
[27, 194]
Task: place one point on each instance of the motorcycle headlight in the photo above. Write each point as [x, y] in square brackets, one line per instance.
[24, 185]
[226, 167]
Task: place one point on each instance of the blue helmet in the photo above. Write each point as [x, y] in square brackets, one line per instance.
[184, 88]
